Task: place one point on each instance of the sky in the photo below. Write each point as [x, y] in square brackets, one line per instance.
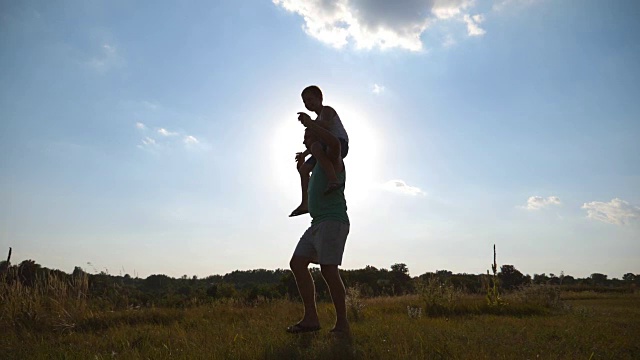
[144, 137]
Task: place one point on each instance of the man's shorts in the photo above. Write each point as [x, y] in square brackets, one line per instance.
[344, 150]
[324, 242]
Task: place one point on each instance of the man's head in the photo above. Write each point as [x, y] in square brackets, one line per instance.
[309, 138]
[312, 98]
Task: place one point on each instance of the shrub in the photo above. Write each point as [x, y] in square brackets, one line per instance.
[354, 302]
[547, 296]
[439, 298]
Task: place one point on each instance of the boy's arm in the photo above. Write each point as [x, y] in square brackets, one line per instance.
[327, 117]
[325, 136]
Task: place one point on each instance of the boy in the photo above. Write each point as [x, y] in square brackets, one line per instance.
[327, 119]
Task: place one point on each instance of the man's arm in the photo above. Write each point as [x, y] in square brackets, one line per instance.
[301, 156]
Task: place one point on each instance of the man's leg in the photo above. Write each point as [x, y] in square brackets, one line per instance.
[304, 169]
[299, 266]
[331, 275]
[318, 152]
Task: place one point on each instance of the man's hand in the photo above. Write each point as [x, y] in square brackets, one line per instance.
[300, 156]
[304, 118]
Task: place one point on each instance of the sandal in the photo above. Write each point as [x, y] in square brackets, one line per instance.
[299, 329]
[298, 212]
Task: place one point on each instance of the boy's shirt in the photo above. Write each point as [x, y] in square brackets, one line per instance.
[335, 126]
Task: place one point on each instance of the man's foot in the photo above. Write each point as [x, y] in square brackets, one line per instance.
[341, 329]
[341, 333]
[299, 328]
[344, 329]
[300, 210]
[333, 186]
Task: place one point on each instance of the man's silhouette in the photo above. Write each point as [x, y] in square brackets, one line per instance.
[323, 242]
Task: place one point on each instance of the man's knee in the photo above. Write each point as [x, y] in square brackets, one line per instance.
[329, 271]
[298, 263]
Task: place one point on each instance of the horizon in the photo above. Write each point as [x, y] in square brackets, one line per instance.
[91, 269]
[159, 138]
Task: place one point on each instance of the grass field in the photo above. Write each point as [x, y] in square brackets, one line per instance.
[585, 326]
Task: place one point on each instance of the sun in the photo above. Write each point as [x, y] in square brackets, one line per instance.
[362, 163]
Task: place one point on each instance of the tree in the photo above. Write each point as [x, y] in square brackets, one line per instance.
[227, 290]
[28, 271]
[157, 283]
[400, 268]
[598, 279]
[212, 291]
[510, 277]
[400, 278]
[540, 278]
[77, 272]
[630, 277]
[443, 274]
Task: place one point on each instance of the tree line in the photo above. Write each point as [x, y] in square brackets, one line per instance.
[121, 291]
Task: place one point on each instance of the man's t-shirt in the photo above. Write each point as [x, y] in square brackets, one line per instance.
[323, 207]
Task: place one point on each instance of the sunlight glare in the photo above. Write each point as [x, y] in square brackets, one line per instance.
[362, 162]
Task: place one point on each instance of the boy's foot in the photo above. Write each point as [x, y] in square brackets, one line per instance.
[299, 211]
[299, 328]
[333, 186]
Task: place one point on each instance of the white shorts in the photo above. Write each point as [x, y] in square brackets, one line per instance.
[324, 242]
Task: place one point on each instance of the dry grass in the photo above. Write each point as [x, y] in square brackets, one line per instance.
[51, 303]
[55, 320]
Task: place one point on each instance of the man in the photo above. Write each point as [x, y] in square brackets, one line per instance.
[323, 242]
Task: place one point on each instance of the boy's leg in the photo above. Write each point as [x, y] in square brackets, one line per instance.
[331, 276]
[299, 266]
[304, 169]
[319, 153]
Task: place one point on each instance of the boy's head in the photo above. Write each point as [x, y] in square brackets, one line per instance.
[312, 98]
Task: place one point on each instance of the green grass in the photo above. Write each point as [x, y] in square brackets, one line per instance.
[597, 326]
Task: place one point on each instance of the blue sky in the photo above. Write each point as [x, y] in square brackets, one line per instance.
[149, 138]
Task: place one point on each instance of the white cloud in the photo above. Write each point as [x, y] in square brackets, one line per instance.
[473, 29]
[382, 24]
[189, 139]
[377, 89]
[107, 58]
[147, 143]
[163, 139]
[616, 211]
[150, 105]
[448, 41]
[401, 187]
[450, 9]
[165, 132]
[538, 202]
[500, 5]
